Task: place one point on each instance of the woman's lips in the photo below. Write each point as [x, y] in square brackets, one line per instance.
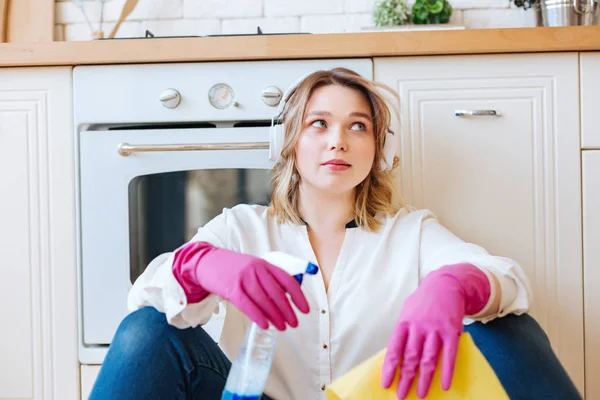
[337, 165]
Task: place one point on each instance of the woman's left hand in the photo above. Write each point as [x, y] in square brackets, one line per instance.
[431, 319]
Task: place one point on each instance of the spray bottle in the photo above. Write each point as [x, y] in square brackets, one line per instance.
[250, 370]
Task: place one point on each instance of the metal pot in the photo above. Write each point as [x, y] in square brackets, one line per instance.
[568, 12]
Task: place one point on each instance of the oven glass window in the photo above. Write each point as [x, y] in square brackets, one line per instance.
[166, 209]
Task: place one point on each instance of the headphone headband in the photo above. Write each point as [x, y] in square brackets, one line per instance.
[288, 93]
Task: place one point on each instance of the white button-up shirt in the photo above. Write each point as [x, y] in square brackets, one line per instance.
[355, 317]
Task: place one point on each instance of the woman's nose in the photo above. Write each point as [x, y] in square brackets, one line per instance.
[337, 139]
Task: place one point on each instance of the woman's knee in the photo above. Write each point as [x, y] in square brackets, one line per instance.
[518, 350]
[141, 331]
[523, 329]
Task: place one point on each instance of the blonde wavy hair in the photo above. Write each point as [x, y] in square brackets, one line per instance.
[376, 196]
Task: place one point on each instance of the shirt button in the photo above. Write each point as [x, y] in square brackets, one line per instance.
[322, 311]
[323, 387]
[180, 302]
[324, 346]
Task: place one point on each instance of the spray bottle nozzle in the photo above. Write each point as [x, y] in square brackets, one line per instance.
[311, 269]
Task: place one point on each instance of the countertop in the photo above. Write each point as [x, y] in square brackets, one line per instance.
[367, 44]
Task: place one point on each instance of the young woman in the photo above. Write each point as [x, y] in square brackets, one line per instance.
[390, 276]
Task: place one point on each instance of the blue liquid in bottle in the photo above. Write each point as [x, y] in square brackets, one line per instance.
[232, 396]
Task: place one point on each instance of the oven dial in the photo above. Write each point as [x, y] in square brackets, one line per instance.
[271, 96]
[170, 98]
[222, 96]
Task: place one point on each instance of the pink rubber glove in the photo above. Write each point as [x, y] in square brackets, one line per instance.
[256, 287]
[430, 320]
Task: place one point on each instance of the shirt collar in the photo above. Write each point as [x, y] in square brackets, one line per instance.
[349, 225]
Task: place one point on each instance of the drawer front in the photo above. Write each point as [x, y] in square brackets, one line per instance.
[590, 100]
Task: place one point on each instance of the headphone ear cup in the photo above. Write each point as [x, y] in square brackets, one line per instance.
[389, 152]
[277, 131]
[276, 141]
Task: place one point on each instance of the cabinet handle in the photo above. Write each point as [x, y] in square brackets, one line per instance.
[126, 149]
[476, 113]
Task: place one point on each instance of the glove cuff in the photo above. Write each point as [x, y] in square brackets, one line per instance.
[473, 282]
[184, 269]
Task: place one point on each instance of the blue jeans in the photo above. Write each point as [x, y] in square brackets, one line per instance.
[149, 359]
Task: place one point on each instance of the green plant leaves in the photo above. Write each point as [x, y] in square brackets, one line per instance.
[431, 12]
[526, 4]
[391, 12]
[436, 7]
[397, 12]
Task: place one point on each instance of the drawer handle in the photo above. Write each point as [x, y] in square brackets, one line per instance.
[476, 113]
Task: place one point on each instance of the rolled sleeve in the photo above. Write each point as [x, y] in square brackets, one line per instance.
[157, 286]
[441, 247]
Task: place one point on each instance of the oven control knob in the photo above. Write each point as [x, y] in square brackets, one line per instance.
[170, 98]
[271, 95]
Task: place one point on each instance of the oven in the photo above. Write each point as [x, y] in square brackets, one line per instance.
[160, 150]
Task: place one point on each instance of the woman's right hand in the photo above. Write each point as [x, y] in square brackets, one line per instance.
[256, 287]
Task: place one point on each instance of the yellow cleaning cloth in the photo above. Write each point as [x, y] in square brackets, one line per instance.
[473, 379]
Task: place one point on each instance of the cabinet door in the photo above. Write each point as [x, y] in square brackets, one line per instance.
[591, 271]
[38, 339]
[511, 182]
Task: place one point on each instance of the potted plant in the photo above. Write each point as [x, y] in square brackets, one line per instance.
[391, 12]
[526, 4]
[431, 12]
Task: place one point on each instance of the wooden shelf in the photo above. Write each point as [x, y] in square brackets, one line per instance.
[368, 44]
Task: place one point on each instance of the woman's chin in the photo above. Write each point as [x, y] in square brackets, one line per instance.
[332, 183]
[337, 187]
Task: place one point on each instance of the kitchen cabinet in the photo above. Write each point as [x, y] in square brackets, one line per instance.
[509, 182]
[38, 300]
[591, 261]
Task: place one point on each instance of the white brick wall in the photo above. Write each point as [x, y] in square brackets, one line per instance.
[277, 8]
[203, 17]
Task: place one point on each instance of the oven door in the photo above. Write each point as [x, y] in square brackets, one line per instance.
[145, 192]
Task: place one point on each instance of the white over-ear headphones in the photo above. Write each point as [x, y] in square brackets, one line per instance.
[277, 132]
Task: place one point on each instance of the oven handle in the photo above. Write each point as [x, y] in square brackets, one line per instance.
[126, 149]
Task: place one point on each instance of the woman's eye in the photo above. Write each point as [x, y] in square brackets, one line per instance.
[359, 126]
[319, 124]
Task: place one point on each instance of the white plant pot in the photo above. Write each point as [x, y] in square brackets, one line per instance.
[411, 27]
